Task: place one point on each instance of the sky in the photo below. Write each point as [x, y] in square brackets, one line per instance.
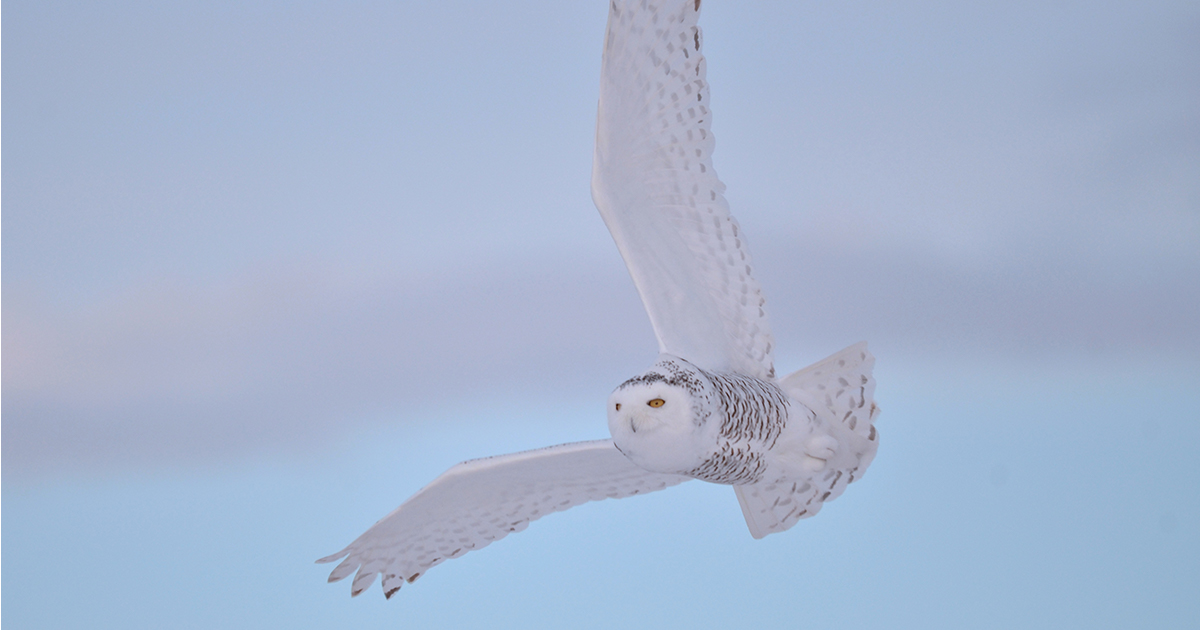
[269, 268]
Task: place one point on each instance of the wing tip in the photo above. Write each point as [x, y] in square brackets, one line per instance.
[333, 558]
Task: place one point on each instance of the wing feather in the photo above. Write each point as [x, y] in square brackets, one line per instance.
[654, 184]
[481, 501]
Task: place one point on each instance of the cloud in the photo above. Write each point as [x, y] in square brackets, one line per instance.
[229, 239]
[171, 371]
[290, 359]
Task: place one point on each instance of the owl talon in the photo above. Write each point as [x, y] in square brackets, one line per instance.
[821, 447]
[813, 464]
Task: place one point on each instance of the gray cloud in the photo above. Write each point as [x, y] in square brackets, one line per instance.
[229, 239]
[170, 373]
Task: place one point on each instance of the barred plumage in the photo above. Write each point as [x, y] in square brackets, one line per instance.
[731, 465]
[754, 409]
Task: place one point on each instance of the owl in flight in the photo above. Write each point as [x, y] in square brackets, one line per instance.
[711, 407]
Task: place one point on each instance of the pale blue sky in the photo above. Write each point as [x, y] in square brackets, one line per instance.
[270, 268]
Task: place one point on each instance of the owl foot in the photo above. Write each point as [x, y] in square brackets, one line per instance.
[821, 446]
[818, 449]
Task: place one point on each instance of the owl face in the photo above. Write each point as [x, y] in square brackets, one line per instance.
[657, 418]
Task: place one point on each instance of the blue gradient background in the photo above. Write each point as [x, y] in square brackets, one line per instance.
[271, 268]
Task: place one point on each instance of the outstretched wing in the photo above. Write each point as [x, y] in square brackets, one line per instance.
[483, 500]
[654, 184]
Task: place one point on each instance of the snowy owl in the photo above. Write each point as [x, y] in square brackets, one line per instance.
[710, 407]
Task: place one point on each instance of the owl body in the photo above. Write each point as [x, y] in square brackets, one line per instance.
[730, 428]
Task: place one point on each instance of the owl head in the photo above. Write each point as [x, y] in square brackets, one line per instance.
[659, 418]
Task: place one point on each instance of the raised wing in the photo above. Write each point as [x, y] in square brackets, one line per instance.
[653, 182]
[483, 500]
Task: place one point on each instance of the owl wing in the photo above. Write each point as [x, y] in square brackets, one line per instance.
[483, 500]
[654, 184]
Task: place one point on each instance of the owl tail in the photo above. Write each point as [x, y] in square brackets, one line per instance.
[841, 391]
[843, 386]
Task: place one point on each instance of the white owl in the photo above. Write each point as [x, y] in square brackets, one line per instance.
[710, 407]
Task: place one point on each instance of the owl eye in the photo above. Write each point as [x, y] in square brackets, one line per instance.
[657, 402]
[618, 406]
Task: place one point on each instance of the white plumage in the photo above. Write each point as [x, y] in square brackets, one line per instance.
[653, 181]
[483, 500]
[710, 408]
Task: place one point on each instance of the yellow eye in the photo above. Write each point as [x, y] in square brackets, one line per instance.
[618, 406]
[657, 402]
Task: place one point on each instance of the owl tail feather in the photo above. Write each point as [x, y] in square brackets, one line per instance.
[842, 385]
[841, 391]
